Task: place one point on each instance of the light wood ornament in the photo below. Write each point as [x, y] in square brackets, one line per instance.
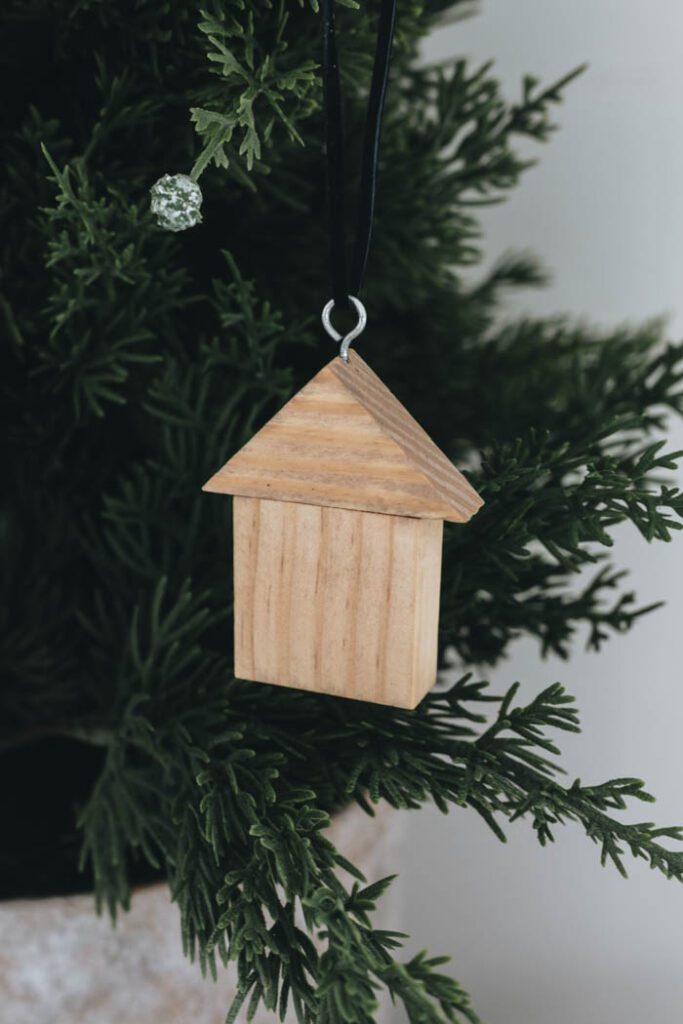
[345, 441]
[338, 519]
[337, 601]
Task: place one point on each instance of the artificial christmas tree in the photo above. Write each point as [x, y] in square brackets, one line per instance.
[135, 362]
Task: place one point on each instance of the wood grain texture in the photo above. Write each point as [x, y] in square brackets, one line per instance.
[337, 601]
[345, 441]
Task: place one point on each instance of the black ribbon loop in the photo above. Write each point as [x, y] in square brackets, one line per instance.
[345, 283]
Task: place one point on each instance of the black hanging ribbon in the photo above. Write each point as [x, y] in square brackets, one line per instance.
[345, 283]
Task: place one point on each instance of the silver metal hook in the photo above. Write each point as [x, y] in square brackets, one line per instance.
[345, 342]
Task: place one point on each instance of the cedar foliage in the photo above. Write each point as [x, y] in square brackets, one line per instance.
[134, 363]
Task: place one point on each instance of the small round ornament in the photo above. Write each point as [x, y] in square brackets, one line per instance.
[176, 202]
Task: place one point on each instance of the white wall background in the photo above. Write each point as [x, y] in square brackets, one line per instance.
[548, 936]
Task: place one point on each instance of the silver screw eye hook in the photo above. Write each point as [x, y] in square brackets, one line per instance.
[345, 342]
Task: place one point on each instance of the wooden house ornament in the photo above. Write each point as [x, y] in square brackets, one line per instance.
[339, 505]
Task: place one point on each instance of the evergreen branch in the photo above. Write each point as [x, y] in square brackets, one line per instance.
[244, 835]
[257, 91]
[105, 305]
[505, 772]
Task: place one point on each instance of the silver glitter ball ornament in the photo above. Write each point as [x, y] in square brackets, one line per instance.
[176, 202]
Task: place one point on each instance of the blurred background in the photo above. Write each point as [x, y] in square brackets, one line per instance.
[549, 936]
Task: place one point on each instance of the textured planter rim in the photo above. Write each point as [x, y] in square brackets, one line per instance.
[61, 963]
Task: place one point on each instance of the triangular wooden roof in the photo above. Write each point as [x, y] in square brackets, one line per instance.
[345, 441]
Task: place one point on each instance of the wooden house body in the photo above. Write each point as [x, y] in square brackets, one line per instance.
[339, 504]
